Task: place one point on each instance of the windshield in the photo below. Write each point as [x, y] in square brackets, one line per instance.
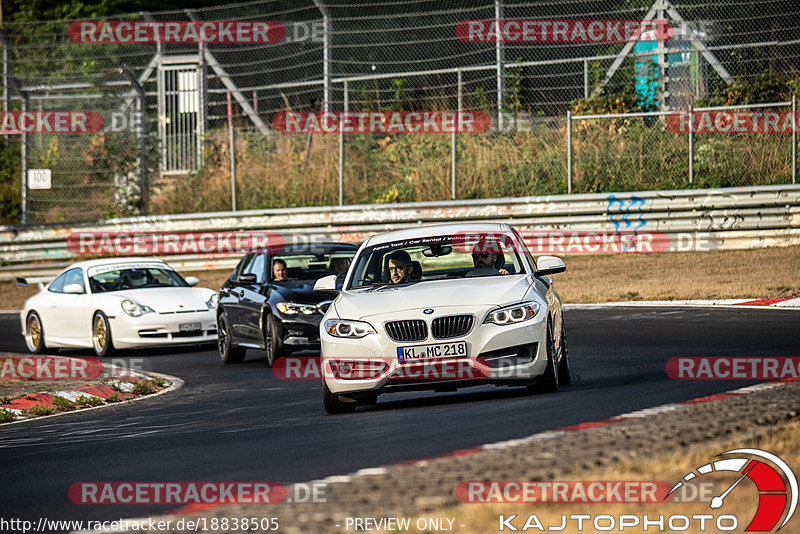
[310, 266]
[437, 258]
[139, 278]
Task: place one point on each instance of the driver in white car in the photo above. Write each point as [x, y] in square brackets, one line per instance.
[485, 256]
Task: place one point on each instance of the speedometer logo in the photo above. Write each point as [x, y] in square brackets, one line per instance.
[776, 483]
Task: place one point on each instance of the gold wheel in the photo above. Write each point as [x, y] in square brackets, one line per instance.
[35, 336]
[101, 335]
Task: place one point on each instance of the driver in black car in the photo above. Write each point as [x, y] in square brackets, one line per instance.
[279, 271]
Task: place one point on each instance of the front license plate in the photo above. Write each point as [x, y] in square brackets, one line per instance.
[189, 327]
[457, 349]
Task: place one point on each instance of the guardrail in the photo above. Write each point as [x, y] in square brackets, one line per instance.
[731, 218]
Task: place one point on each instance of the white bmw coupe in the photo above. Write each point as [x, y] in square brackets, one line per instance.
[442, 307]
[118, 303]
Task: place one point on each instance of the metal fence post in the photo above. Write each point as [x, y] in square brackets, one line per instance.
[6, 100]
[326, 54]
[141, 108]
[794, 139]
[24, 163]
[341, 149]
[691, 145]
[501, 69]
[586, 79]
[569, 152]
[233, 153]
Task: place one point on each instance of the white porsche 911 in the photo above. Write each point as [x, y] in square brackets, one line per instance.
[118, 303]
[442, 307]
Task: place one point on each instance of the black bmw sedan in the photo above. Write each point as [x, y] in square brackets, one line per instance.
[268, 303]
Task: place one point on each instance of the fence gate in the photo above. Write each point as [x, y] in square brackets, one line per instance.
[181, 123]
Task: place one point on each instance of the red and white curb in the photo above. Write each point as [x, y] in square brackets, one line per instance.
[785, 303]
[550, 434]
[542, 436]
[119, 388]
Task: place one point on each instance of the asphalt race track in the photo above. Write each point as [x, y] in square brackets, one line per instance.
[241, 423]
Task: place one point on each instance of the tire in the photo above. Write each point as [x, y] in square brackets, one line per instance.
[564, 371]
[227, 352]
[102, 342]
[272, 341]
[34, 334]
[548, 382]
[333, 403]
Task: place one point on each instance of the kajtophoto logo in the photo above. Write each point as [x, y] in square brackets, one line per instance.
[775, 481]
[775, 498]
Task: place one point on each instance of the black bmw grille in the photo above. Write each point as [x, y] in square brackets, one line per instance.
[411, 330]
[452, 326]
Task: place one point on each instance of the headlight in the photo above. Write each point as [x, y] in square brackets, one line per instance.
[342, 328]
[135, 310]
[212, 302]
[513, 314]
[290, 308]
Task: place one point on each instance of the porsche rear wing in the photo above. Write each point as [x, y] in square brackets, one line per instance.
[41, 280]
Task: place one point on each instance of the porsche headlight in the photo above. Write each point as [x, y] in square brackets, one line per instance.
[343, 328]
[212, 302]
[513, 314]
[290, 308]
[134, 309]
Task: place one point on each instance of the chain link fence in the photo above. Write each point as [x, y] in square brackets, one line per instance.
[163, 143]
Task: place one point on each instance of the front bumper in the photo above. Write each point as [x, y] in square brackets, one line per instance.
[508, 354]
[154, 329]
[300, 331]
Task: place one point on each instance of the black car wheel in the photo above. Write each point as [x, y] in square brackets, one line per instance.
[548, 382]
[564, 371]
[333, 403]
[227, 352]
[272, 340]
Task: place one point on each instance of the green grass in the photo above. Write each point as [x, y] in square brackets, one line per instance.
[36, 411]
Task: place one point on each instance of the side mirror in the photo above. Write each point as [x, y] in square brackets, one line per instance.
[73, 289]
[326, 284]
[192, 280]
[247, 278]
[549, 265]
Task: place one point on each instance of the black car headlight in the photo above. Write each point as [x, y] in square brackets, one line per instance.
[291, 308]
[513, 314]
[344, 328]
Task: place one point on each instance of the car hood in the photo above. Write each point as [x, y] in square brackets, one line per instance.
[167, 299]
[485, 291]
[299, 291]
